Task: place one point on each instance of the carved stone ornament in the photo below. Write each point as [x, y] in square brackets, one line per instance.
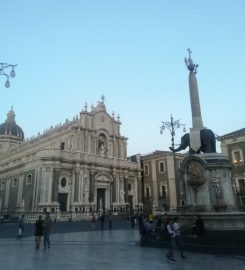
[195, 174]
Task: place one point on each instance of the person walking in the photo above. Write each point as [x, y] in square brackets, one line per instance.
[21, 226]
[110, 221]
[47, 224]
[178, 238]
[132, 219]
[93, 220]
[38, 232]
[170, 236]
[102, 220]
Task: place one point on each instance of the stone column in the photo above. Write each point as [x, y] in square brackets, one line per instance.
[125, 149]
[76, 185]
[56, 174]
[195, 103]
[35, 191]
[155, 191]
[80, 140]
[194, 96]
[126, 186]
[139, 187]
[37, 188]
[121, 189]
[20, 190]
[6, 198]
[119, 148]
[114, 186]
[45, 188]
[92, 185]
[85, 141]
[50, 173]
[197, 125]
[114, 147]
[171, 183]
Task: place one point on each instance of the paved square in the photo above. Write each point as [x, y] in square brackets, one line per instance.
[103, 250]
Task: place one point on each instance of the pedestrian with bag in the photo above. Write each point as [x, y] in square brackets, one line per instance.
[38, 232]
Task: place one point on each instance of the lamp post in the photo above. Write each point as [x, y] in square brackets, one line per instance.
[3, 67]
[172, 126]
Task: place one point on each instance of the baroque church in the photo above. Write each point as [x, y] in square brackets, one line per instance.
[78, 166]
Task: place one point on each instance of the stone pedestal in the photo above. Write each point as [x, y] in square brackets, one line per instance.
[206, 190]
[206, 184]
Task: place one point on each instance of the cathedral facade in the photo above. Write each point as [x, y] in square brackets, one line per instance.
[78, 166]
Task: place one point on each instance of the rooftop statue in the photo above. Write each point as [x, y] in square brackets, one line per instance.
[189, 63]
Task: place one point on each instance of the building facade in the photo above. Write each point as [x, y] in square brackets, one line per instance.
[78, 166]
[233, 145]
[161, 180]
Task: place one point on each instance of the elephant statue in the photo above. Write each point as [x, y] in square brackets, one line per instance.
[208, 142]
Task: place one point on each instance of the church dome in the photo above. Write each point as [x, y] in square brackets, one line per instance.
[10, 128]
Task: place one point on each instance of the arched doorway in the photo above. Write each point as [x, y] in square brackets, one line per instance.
[62, 200]
[63, 193]
[103, 193]
[100, 198]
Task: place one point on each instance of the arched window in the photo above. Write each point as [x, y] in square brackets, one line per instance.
[2, 185]
[63, 182]
[29, 179]
[14, 183]
[237, 156]
[161, 166]
[146, 169]
[147, 192]
[164, 192]
[102, 145]
[129, 187]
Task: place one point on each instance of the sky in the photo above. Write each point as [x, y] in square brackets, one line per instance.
[130, 51]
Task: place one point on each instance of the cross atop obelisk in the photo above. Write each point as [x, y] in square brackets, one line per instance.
[194, 96]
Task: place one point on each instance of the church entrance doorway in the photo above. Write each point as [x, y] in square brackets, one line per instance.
[101, 198]
[62, 199]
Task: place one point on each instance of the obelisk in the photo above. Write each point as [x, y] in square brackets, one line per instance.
[197, 125]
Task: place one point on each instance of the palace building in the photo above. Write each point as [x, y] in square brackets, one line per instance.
[233, 145]
[77, 166]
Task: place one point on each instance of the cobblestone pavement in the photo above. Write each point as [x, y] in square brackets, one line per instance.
[103, 250]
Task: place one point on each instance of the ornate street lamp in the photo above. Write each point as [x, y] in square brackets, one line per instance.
[3, 67]
[172, 126]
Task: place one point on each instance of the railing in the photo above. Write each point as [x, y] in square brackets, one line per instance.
[31, 217]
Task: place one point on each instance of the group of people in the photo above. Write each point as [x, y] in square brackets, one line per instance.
[42, 229]
[101, 218]
[169, 227]
[171, 231]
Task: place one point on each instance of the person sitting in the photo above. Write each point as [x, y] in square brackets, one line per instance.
[148, 226]
[197, 228]
[200, 226]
